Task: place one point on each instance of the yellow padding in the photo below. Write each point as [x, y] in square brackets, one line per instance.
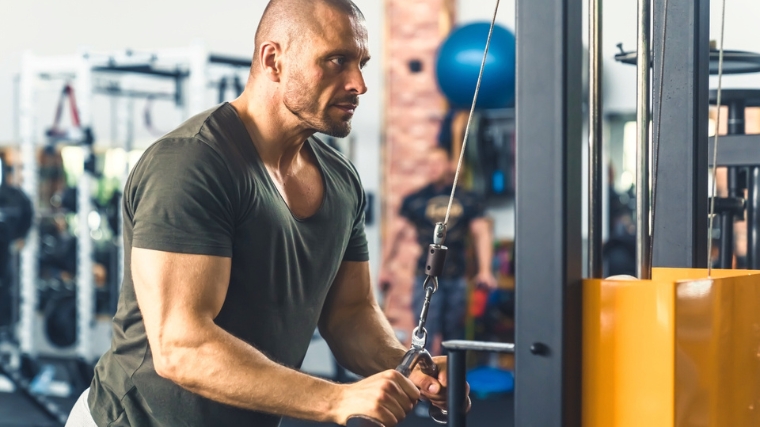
[674, 351]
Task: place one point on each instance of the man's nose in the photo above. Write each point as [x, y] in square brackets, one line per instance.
[356, 82]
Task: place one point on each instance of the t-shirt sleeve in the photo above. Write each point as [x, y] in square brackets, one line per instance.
[180, 200]
[478, 207]
[406, 209]
[357, 249]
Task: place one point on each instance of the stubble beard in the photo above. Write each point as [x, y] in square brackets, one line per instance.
[300, 100]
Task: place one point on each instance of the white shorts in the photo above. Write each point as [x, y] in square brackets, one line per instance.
[80, 415]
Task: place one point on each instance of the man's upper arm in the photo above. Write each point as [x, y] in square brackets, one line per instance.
[406, 228]
[178, 296]
[181, 206]
[351, 290]
[480, 226]
[182, 199]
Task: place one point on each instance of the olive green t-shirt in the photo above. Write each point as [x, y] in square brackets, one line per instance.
[202, 189]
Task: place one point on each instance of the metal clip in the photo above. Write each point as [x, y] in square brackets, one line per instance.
[439, 235]
[419, 340]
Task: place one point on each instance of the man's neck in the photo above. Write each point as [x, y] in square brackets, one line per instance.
[440, 185]
[278, 138]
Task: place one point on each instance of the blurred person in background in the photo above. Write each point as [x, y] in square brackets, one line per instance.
[420, 212]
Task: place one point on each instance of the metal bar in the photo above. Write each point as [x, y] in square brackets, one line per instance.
[680, 238]
[753, 219]
[548, 234]
[85, 280]
[495, 347]
[29, 261]
[643, 149]
[595, 144]
[736, 117]
[735, 127]
[229, 60]
[116, 92]
[147, 70]
[457, 379]
[737, 150]
[726, 240]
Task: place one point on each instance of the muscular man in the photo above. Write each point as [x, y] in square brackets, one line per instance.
[245, 233]
[420, 212]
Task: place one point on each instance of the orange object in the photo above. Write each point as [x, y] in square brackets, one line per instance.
[478, 302]
[675, 351]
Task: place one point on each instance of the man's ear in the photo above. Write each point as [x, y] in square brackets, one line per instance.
[269, 60]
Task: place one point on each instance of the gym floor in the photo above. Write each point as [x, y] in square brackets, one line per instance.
[496, 411]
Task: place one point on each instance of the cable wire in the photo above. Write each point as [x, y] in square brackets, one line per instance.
[472, 111]
[715, 143]
[656, 157]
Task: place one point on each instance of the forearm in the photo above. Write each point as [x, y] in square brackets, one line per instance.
[389, 249]
[225, 369]
[363, 340]
[484, 250]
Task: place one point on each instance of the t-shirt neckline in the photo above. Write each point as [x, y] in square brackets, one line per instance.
[311, 141]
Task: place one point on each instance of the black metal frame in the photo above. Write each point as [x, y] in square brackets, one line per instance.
[548, 210]
[736, 150]
[457, 374]
[548, 312]
[681, 195]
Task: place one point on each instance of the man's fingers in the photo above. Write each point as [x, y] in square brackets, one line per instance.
[407, 386]
[429, 385]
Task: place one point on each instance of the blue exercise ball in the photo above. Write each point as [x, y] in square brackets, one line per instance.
[458, 65]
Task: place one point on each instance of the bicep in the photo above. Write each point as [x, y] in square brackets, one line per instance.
[350, 291]
[177, 291]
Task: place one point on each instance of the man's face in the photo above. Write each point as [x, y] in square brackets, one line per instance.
[324, 78]
[439, 167]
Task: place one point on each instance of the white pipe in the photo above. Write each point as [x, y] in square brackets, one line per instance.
[28, 294]
[85, 279]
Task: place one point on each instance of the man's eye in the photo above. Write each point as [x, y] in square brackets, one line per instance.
[339, 60]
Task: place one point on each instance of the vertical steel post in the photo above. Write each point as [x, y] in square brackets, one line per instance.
[595, 143]
[680, 118]
[549, 260]
[643, 148]
[85, 277]
[457, 360]
[28, 291]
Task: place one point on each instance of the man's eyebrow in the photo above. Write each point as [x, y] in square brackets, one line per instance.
[347, 53]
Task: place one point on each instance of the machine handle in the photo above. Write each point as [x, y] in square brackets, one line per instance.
[412, 358]
[363, 421]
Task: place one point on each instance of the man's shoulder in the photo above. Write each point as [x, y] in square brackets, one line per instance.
[333, 161]
[183, 149]
[213, 136]
[469, 197]
[424, 192]
[193, 126]
[174, 158]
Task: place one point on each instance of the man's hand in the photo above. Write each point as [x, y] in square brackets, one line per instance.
[434, 389]
[486, 278]
[386, 397]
